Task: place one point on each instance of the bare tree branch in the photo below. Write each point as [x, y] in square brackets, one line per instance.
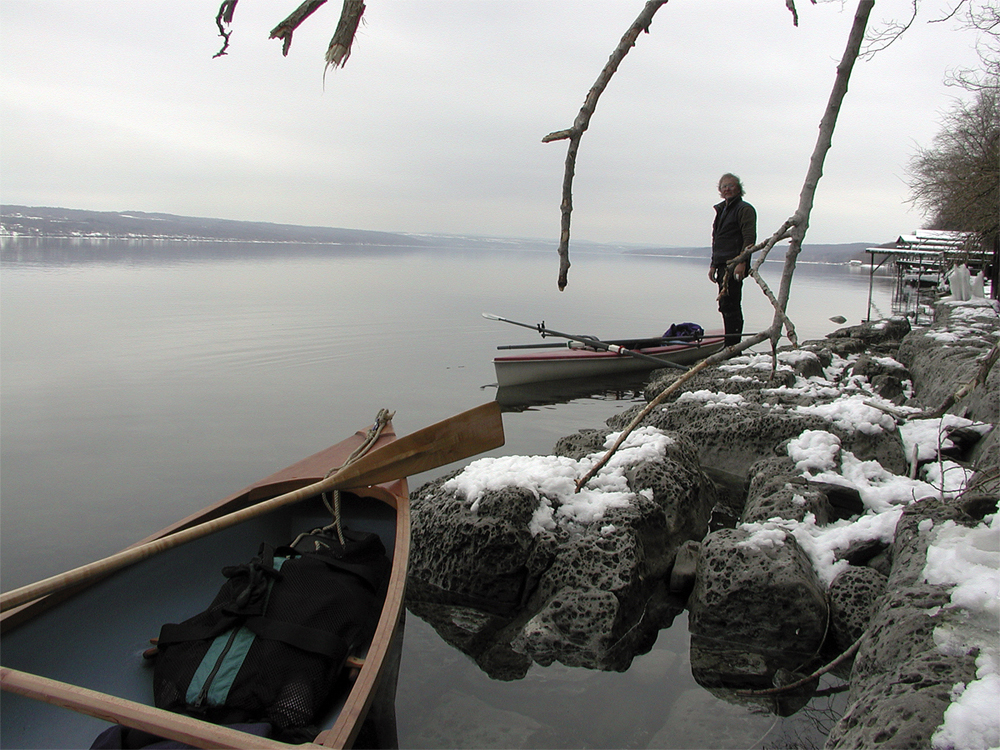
[582, 122]
[790, 4]
[809, 678]
[800, 218]
[347, 28]
[223, 19]
[881, 37]
[286, 28]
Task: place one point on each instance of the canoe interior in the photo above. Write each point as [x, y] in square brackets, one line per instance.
[96, 638]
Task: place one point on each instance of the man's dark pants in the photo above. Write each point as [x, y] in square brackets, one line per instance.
[731, 307]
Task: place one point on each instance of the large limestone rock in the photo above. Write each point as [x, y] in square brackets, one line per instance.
[729, 440]
[588, 594]
[854, 596]
[901, 682]
[757, 405]
[950, 354]
[757, 606]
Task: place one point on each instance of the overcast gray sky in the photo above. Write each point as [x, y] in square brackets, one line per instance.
[435, 125]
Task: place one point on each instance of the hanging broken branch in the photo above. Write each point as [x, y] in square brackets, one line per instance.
[347, 28]
[340, 45]
[582, 122]
[286, 28]
[224, 19]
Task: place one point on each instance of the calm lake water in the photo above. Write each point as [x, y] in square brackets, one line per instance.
[139, 381]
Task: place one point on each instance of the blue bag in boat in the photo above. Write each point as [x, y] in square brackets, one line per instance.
[271, 645]
[686, 332]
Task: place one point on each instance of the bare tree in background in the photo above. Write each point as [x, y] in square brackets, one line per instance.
[956, 181]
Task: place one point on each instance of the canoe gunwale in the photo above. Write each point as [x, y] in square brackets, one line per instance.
[359, 699]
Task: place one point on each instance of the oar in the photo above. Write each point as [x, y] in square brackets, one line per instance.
[563, 345]
[186, 729]
[453, 439]
[589, 341]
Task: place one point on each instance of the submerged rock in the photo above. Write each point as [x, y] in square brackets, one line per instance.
[757, 606]
[552, 580]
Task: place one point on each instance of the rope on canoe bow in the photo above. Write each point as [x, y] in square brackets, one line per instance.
[371, 437]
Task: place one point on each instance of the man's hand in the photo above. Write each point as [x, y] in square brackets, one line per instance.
[711, 273]
[740, 272]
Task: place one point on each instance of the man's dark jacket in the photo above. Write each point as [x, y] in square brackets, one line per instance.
[734, 229]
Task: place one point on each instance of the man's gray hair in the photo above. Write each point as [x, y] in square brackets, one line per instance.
[739, 182]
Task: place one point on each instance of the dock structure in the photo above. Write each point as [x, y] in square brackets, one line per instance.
[920, 262]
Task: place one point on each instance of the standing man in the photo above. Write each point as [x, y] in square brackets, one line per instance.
[735, 229]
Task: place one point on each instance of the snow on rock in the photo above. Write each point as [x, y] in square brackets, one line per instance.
[968, 561]
[710, 399]
[929, 436]
[852, 414]
[552, 479]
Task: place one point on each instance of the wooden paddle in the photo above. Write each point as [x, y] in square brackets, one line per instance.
[162, 723]
[453, 439]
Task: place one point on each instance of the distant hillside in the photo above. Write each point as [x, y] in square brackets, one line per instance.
[69, 222]
[33, 221]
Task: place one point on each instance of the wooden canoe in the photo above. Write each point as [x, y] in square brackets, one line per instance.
[82, 648]
[536, 366]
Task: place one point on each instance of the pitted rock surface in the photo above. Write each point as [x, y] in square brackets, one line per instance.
[867, 366]
[950, 353]
[581, 595]
[483, 557]
[875, 333]
[777, 490]
[761, 601]
[581, 444]
[791, 501]
[901, 682]
[854, 596]
[729, 438]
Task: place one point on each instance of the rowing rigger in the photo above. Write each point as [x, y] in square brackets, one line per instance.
[588, 341]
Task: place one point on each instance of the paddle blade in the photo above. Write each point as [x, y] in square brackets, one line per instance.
[464, 435]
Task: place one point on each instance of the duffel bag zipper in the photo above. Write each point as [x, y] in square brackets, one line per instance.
[203, 694]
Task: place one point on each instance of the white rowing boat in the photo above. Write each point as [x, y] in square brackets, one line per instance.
[581, 361]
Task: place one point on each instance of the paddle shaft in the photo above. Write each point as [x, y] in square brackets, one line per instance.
[453, 439]
[534, 346]
[110, 708]
[596, 343]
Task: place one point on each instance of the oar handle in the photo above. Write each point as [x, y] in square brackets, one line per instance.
[110, 708]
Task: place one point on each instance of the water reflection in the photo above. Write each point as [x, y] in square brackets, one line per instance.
[143, 380]
[517, 398]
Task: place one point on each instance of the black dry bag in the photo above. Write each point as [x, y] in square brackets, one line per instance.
[272, 643]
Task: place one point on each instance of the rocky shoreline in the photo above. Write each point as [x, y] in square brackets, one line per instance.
[795, 508]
